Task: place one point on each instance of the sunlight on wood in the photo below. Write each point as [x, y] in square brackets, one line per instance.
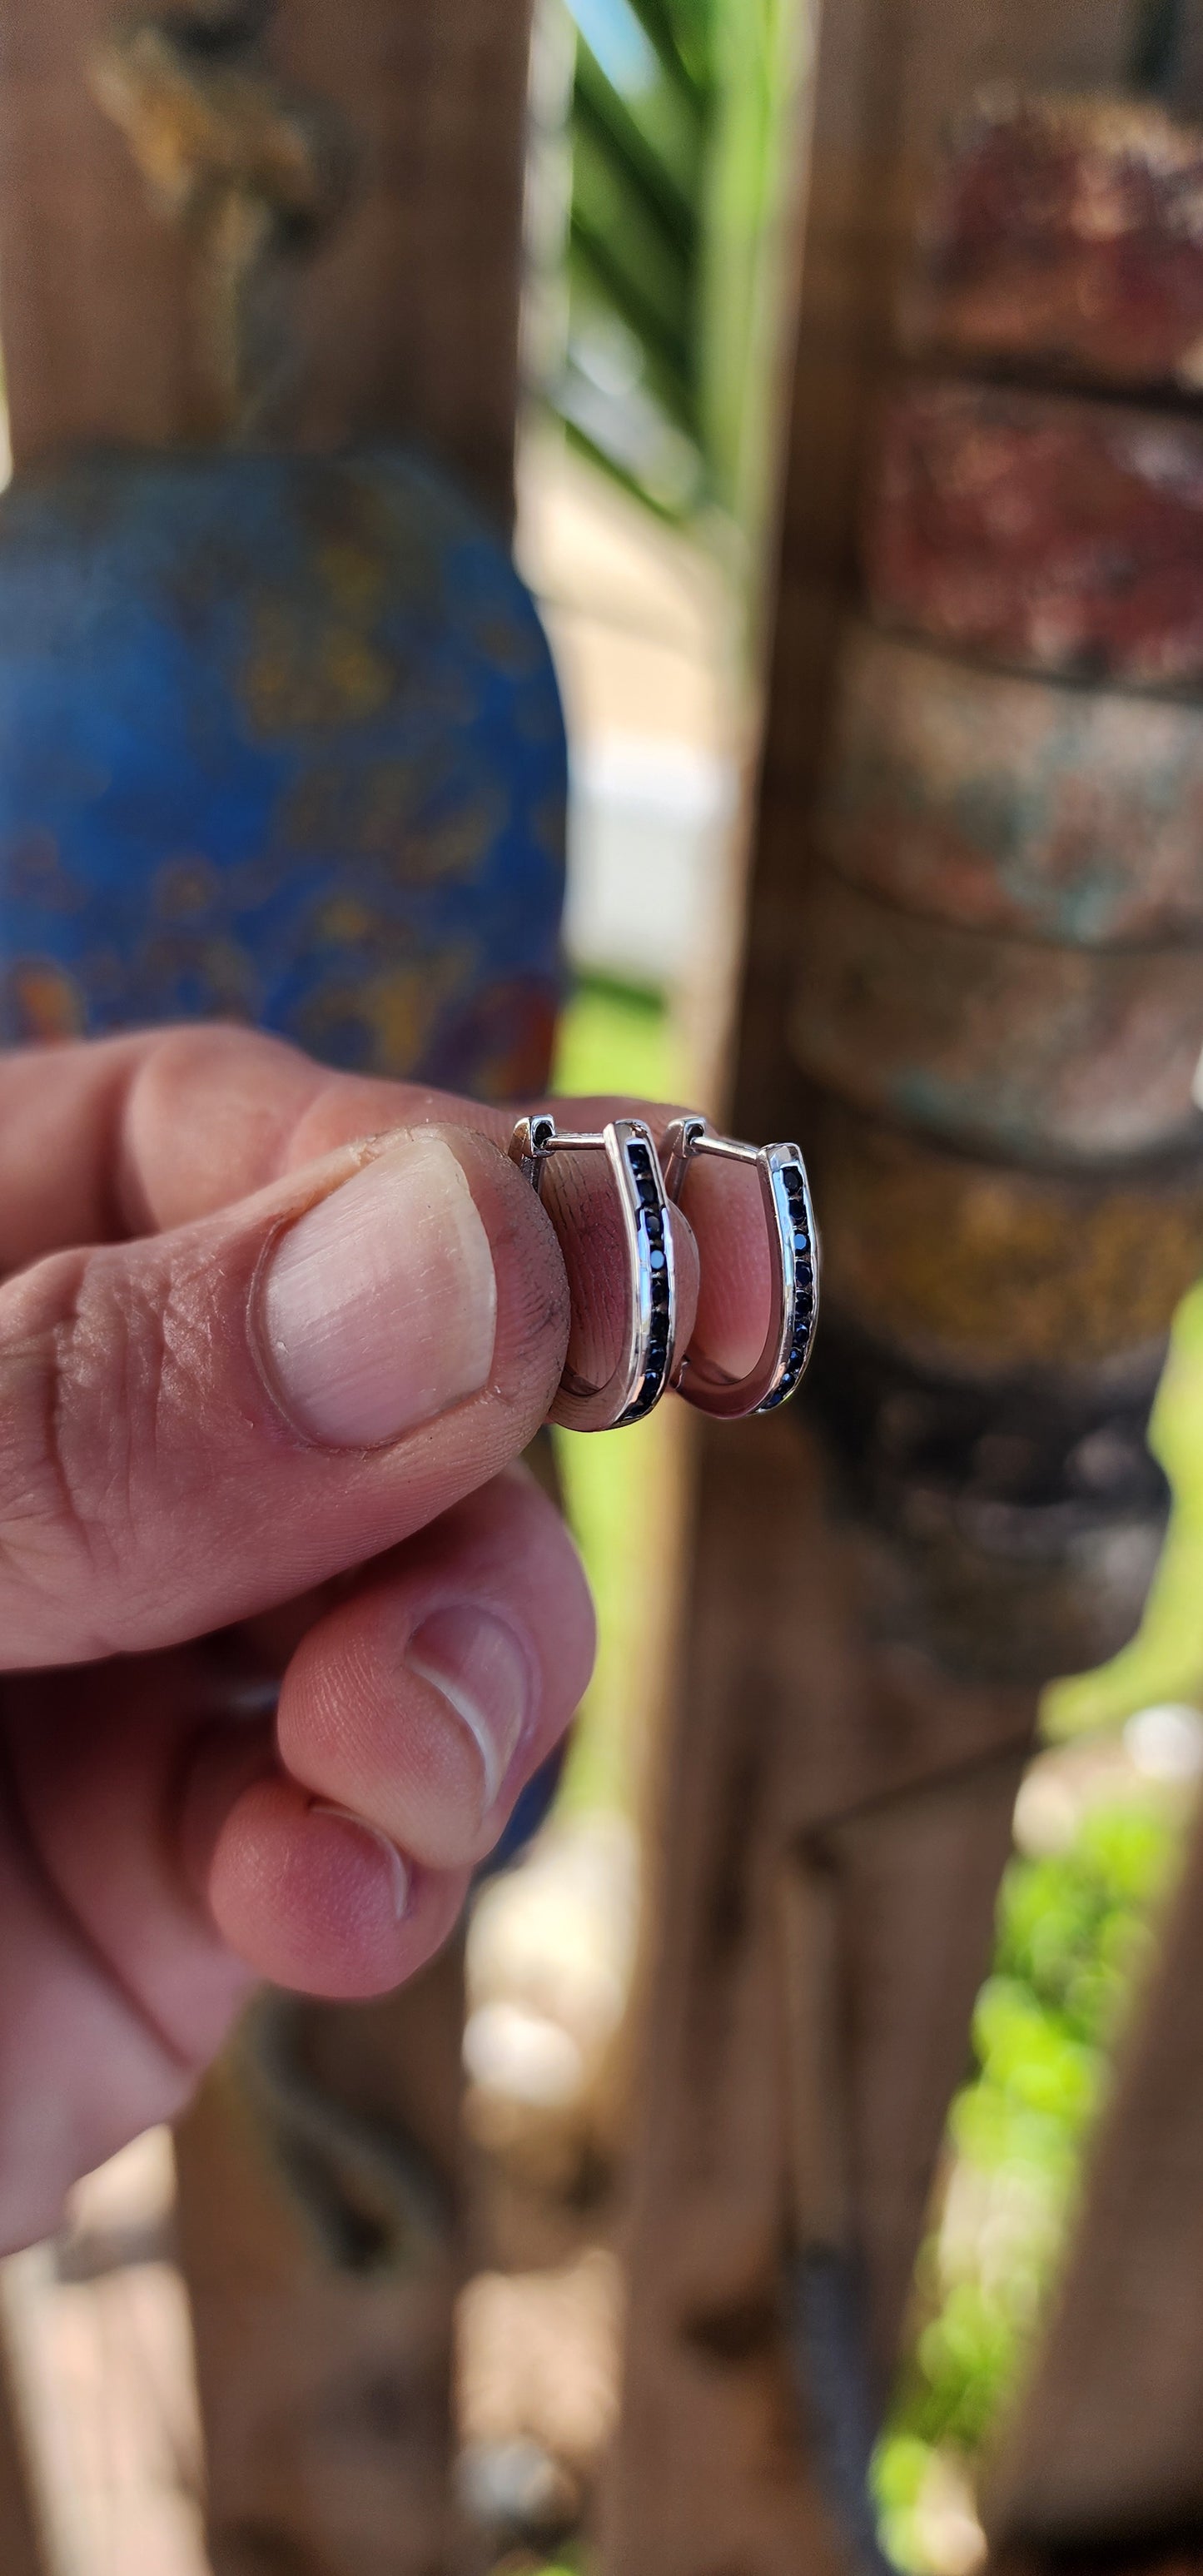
[98, 2327]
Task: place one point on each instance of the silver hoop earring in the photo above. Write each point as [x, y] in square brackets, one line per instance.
[641, 1373]
[794, 1243]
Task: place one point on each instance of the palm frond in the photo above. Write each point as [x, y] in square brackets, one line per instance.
[676, 142]
[663, 338]
[639, 167]
[684, 64]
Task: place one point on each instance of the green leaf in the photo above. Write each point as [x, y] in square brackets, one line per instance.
[657, 317]
[638, 167]
[681, 41]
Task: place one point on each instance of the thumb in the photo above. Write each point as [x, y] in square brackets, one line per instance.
[202, 1423]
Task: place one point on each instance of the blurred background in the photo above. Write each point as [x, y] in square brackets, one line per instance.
[666, 165]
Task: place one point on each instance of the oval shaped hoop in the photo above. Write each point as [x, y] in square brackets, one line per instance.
[641, 1373]
[794, 1241]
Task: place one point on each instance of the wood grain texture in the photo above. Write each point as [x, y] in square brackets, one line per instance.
[21, 2549]
[99, 318]
[325, 2387]
[1108, 2443]
[783, 1728]
[406, 324]
[319, 2250]
[889, 1788]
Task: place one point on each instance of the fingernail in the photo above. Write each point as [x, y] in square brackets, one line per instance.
[478, 1665]
[398, 1875]
[379, 1306]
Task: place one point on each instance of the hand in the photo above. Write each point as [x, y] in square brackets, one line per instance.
[283, 1627]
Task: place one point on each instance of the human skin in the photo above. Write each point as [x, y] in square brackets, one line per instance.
[284, 1624]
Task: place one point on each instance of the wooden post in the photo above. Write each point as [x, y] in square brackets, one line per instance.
[21, 2551]
[817, 1731]
[1106, 2450]
[881, 1794]
[324, 2374]
[406, 318]
[320, 2240]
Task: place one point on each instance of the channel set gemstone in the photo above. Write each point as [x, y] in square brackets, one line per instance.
[802, 1321]
[650, 1221]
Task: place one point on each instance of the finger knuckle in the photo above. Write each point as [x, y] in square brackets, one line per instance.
[85, 1353]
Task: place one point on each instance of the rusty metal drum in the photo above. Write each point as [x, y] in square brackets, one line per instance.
[1013, 804]
[1065, 235]
[1042, 1053]
[1040, 532]
[979, 1270]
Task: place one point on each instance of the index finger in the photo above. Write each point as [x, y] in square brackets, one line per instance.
[130, 1136]
[101, 1141]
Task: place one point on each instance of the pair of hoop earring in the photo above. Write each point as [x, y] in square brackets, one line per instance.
[646, 1184]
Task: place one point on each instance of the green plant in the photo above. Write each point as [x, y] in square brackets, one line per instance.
[1072, 1933]
[679, 111]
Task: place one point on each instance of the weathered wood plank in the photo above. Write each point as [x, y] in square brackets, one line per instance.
[782, 1725]
[21, 2549]
[325, 2384]
[1107, 2446]
[408, 321]
[888, 1791]
[319, 2190]
[405, 324]
[98, 316]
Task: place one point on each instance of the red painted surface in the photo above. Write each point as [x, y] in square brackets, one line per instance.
[1039, 531]
[1066, 235]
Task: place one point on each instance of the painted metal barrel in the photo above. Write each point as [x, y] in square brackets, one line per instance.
[1017, 1047]
[1040, 532]
[280, 740]
[1011, 804]
[1065, 234]
[979, 1270]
